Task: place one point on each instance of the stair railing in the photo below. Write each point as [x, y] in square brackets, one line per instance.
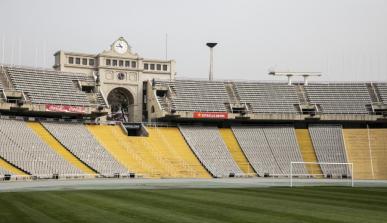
[186, 166]
[158, 157]
[133, 153]
[111, 152]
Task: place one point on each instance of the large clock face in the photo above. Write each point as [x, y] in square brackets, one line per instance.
[121, 76]
[121, 46]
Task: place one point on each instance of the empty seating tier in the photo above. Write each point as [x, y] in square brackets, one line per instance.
[271, 149]
[268, 97]
[80, 142]
[11, 169]
[22, 147]
[307, 152]
[359, 152]
[210, 149]
[205, 96]
[176, 140]
[382, 88]
[329, 147]
[378, 139]
[339, 99]
[54, 144]
[236, 151]
[49, 87]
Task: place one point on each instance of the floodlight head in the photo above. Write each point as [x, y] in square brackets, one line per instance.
[211, 45]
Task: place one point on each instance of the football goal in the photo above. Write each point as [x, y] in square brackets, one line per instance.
[321, 174]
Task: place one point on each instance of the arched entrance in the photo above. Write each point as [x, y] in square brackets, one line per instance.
[121, 102]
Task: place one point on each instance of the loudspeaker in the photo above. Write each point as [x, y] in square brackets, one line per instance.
[132, 175]
[116, 175]
[231, 175]
[329, 175]
[266, 175]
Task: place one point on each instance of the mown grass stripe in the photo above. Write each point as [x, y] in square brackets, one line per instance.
[309, 204]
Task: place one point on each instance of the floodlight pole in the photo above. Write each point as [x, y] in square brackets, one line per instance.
[211, 45]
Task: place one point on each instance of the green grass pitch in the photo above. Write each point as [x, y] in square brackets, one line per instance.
[275, 204]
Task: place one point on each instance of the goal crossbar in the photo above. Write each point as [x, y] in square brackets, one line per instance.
[291, 166]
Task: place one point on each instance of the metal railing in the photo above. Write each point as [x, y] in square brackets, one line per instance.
[132, 152]
[111, 151]
[173, 151]
[158, 157]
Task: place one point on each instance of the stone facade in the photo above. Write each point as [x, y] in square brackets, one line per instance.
[118, 68]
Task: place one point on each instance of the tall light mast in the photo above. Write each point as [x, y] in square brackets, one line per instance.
[211, 45]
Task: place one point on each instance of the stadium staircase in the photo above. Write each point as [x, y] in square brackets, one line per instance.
[236, 151]
[11, 168]
[6, 81]
[357, 144]
[302, 94]
[118, 147]
[378, 138]
[307, 151]
[55, 145]
[176, 140]
[141, 147]
[374, 93]
[232, 93]
[169, 154]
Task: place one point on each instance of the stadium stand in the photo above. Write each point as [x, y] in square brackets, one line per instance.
[208, 146]
[378, 139]
[54, 144]
[339, 98]
[49, 87]
[254, 145]
[13, 170]
[127, 155]
[168, 153]
[382, 89]
[205, 96]
[268, 97]
[270, 149]
[148, 154]
[329, 147]
[358, 149]
[4, 171]
[80, 142]
[22, 147]
[176, 140]
[307, 152]
[236, 151]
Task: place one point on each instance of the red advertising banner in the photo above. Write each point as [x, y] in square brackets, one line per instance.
[60, 108]
[210, 115]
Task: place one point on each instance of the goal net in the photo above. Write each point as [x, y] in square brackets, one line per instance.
[321, 174]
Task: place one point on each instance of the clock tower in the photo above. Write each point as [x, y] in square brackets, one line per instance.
[119, 68]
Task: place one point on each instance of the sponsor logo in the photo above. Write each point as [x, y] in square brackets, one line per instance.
[70, 109]
[210, 115]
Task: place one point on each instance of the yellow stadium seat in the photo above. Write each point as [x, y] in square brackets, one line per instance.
[236, 151]
[307, 151]
[357, 146]
[54, 144]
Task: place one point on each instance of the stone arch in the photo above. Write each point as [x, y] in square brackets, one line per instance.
[130, 97]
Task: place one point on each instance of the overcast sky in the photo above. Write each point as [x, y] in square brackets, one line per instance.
[252, 36]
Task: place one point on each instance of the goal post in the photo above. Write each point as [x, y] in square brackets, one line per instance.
[324, 171]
